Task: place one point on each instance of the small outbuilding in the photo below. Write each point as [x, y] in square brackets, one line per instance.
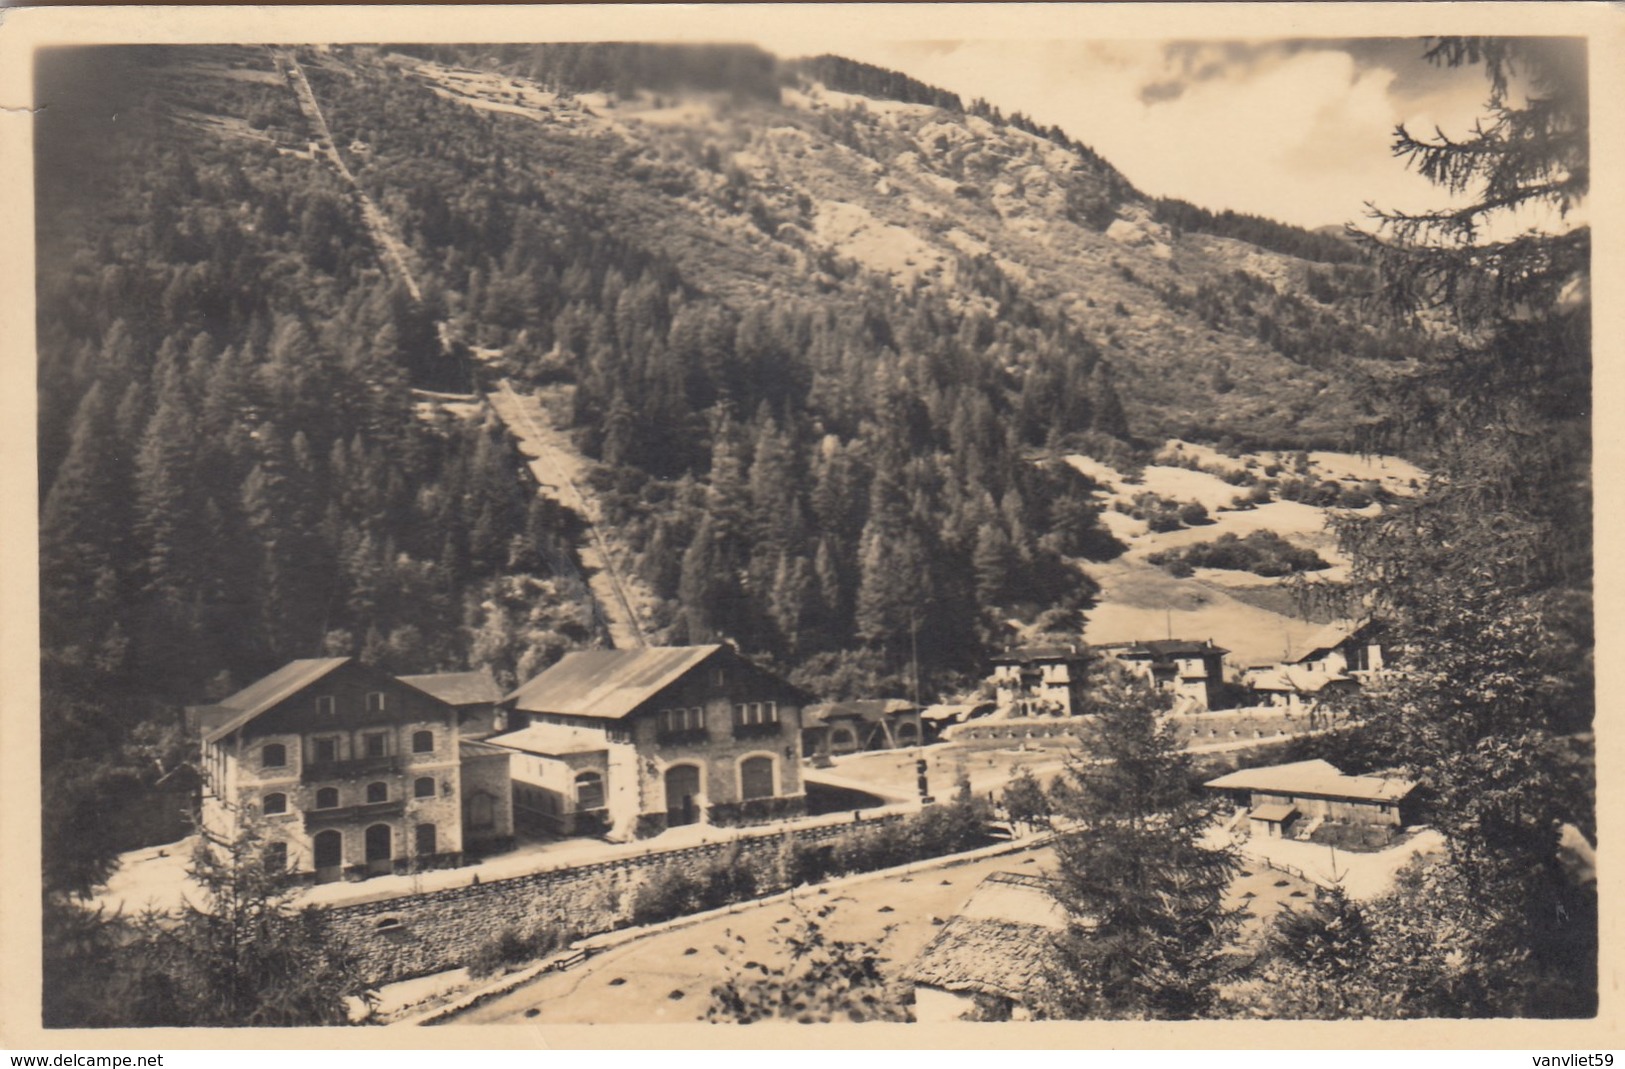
[1277, 796]
[848, 727]
[992, 960]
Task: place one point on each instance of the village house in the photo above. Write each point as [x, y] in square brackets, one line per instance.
[626, 743]
[991, 960]
[838, 728]
[1293, 686]
[1040, 681]
[1343, 649]
[351, 771]
[1192, 672]
[1276, 797]
[475, 696]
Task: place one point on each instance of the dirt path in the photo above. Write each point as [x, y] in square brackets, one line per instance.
[377, 223]
[554, 464]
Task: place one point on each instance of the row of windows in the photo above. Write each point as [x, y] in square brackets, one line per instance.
[677, 721]
[330, 846]
[746, 714]
[327, 705]
[325, 750]
[328, 797]
[752, 713]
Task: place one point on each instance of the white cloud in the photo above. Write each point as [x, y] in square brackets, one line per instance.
[1297, 135]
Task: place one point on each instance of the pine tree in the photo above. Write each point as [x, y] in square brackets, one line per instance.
[1486, 575]
[1148, 926]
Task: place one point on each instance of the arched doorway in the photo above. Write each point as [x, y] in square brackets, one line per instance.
[380, 849]
[755, 778]
[682, 795]
[425, 840]
[329, 855]
[907, 733]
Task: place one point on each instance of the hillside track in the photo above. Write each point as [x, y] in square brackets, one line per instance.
[550, 462]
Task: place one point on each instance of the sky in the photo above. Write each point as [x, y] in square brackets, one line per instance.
[1295, 130]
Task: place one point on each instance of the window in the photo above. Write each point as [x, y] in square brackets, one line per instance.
[750, 714]
[423, 742]
[374, 744]
[273, 804]
[324, 751]
[275, 857]
[423, 787]
[273, 755]
[589, 791]
[682, 721]
[756, 778]
[327, 798]
[375, 702]
[324, 705]
[425, 839]
[482, 811]
[377, 792]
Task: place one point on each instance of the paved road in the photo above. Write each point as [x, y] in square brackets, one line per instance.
[668, 976]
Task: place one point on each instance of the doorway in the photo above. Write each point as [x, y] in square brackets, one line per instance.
[682, 795]
[380, 850]
[329, 856]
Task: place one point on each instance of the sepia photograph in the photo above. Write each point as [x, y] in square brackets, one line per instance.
[803, 522]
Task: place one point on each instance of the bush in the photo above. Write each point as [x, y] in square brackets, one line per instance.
[510, 949]
[1262, 553]
[1194, 514]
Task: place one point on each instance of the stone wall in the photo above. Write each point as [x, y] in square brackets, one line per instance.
[414, 935]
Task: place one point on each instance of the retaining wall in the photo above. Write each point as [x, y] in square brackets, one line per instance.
[399, 938]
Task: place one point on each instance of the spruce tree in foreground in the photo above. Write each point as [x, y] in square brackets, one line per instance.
[1148, 926]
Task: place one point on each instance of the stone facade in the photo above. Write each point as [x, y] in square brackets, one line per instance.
[414, 935]
[352, 771]
[1045, 681]
[714, 739]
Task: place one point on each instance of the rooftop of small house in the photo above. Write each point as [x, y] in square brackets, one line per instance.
[1001, 942]
[1163, 649]
[1035, 654]
[867, 709]
[458, 688]
[1316, 779]
[551, 740]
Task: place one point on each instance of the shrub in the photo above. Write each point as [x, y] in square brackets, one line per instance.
[1194, 514]
[511, 949]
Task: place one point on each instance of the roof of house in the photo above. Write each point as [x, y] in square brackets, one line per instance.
[1029, 654]
[1275, 811]
[1293, 678]
[257, 697]
[477, 748]
[458, 688]
[1163, 648]
[607, 684]
[551, 740]
[1001, 942]
[870, 709]
[1330, 637]
[1317, 778]
[949, 712]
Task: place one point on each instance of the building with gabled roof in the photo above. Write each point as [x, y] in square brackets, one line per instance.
[1278, 795]
[992, 959]
[1343, 647]
[350, 771]
[866, 724]
[1190, 670]
[475, 695]
[1040, 680]
[629, 742]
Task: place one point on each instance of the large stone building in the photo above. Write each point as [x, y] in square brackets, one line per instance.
[1040, 681]
[626, 743]
[351, 771]
[1193, 672]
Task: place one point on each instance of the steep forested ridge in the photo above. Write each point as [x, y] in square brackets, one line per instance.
[825, 355]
